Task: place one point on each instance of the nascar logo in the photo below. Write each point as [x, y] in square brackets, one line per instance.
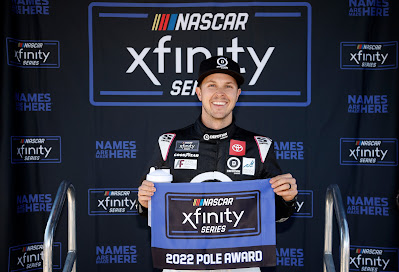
[197, 21]
[213, 202]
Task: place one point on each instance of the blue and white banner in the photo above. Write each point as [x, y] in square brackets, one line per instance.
[213, 225]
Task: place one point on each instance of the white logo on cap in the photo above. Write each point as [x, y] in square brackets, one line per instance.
[222, 63]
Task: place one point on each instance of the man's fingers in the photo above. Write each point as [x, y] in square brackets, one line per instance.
[285, 187]
[147, 186]
[287, 175]
[279, 177]
[145, 198]
[147, 183]
[283, 181]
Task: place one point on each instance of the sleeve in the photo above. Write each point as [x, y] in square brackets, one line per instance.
[284, 209]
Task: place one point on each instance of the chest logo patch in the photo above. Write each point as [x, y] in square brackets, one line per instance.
[237, 148]
[185, 164]
[248, 166]
[187, 146]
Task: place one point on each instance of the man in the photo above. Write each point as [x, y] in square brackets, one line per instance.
[215, 143]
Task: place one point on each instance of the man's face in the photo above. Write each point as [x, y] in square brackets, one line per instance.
[218, 93]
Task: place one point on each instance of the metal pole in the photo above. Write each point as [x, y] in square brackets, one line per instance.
[65, 188]
[72, 223]
[344, 230]
[334, 202]
[328, 232]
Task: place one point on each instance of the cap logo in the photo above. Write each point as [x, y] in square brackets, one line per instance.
[222, 63]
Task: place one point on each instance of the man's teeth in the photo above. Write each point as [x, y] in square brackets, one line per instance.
[219, 103]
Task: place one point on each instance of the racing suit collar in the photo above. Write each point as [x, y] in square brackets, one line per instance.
[209, 134]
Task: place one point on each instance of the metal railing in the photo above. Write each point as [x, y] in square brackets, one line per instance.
[334, 202]
[66, 188]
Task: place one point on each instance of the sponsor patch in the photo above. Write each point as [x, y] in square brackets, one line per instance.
[264, 144]
[186, 155]
[233, 165]
[221, 136]
[187, 146]
[237, 148]
[248, 166]
[165, 141]
[185, 164]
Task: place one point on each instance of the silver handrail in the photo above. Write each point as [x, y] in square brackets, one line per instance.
[334, 201]
[65, 188]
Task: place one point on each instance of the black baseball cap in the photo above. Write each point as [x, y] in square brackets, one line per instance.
[220, 64]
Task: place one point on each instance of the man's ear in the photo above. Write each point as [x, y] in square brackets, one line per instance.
[238, 93]
[198, 92]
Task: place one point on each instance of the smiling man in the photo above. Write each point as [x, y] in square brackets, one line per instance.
[214, 144]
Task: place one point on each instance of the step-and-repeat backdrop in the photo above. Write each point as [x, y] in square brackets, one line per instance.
[87, 88]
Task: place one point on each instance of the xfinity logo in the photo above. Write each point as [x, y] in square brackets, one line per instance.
[358, 152]
[162, 50]
[112, 201]
[171, 46]
[363, 151]
[361, 261]
[39, 150]
[373, 258]
[33, 54]
[372, 56]
[203, 216]
[35, 149]
[361, 56]
[29, 257]
[212, 218]
[109, 203]
[184, 146]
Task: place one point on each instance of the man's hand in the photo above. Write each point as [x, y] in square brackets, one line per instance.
[284, 186]
[146, 191]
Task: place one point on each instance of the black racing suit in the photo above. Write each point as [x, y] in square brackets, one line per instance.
[233, 151]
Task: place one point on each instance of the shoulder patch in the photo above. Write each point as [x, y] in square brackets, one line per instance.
[264, 144]
[165, 141]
